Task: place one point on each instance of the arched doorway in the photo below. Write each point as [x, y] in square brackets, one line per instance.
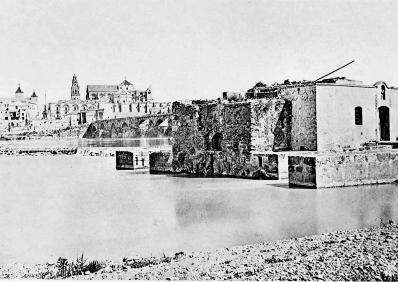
[384, 121]
[216, 142]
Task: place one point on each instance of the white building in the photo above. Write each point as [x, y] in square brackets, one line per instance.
[124, 100]
[74, 111]
[18, 111]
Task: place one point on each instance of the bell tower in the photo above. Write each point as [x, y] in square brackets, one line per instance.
[74, 90]
[19, 93]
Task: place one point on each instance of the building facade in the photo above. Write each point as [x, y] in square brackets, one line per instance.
[253, 136]
[124, 100]
[105, 102]
[18, 111]
[337, 113]
[73, 111]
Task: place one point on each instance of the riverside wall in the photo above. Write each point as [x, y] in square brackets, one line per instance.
[358, 167]
[226, 139]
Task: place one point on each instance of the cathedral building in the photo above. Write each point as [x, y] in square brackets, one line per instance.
[105, 102]
[125, 92]
[124, 100]
[73, 111]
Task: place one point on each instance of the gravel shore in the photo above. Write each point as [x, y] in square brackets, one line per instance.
[365, 254]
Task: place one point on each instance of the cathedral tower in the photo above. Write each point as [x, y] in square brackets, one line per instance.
[74, 90]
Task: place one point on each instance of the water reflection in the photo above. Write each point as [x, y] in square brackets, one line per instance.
[83, 142]
[63, 205]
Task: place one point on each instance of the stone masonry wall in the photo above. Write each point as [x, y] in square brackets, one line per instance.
[303, 122]
[271, 125]
[216, 139]
[344, 169]
[131, 127]
[224, 138]
[160, 162]
[212, 138]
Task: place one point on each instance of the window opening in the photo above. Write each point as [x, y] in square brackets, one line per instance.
[358, 116]
[383, 92]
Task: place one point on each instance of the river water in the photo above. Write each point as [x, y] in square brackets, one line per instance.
[83, 142]
[64, 205]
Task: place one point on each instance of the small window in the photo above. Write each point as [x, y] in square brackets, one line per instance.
[358, 116]
[260, 161]
[383, 92]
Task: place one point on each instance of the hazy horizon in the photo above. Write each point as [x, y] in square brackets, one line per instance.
[191, 49]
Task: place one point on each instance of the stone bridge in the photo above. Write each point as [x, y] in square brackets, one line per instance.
[158, 125]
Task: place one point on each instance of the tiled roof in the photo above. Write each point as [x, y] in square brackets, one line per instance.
[121, 92]
[88, 102]
[101, 88]
[125, 82]
[19, 89]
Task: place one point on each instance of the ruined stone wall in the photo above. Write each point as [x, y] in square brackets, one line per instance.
[161, 162]
[131, 127]
[303, 120]
[195, 127]
[220, 138]
[344, 169]
[271, 125]
[212, 138]
[296, 125]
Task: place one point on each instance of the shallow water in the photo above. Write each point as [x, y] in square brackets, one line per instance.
[65, 205]
[86, 142]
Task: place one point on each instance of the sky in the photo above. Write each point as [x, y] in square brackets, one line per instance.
[191, 49]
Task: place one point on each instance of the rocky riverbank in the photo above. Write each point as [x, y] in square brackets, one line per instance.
[37, 151]
[65, 132]
[365, 254]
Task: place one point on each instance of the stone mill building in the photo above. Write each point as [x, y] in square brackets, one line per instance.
[253, 135]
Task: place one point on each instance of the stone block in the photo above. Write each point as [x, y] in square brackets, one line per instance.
[124, 160]
[356, 167]
[160, 162]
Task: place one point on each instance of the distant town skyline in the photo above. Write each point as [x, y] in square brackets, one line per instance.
[191, 49]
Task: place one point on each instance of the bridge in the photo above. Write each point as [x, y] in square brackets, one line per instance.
[150, 126]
